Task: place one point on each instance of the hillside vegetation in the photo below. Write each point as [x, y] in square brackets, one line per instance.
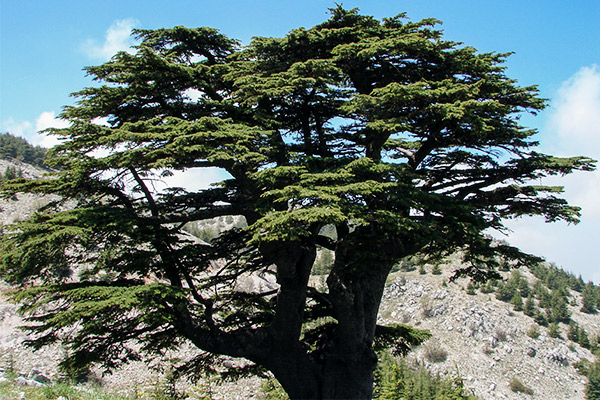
[16, 148]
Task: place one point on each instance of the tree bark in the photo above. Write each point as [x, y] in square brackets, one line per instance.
[345, 368]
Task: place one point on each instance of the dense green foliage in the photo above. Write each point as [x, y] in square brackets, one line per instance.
[396, 380]
[19, 149]
[592, 389]
[403, 142]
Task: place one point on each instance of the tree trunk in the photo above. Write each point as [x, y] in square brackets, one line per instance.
[346, 368]
[346, 371]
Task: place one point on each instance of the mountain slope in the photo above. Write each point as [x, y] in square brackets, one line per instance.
[484, 340]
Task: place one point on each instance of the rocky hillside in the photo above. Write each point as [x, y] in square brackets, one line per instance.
[485, 341]
[493, 345]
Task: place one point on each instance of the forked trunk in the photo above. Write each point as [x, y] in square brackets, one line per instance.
[346, 370]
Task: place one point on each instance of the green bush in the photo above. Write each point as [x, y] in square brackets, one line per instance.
[517, 302]
[471, 288]
[529, 306]
[533, 332]
[519, 387]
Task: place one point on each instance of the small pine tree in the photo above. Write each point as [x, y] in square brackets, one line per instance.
[553, 330]
[573, 332]
[540, 318]
[517, 302]
[436, 270]
[584, 340]
[542, 294]
[422, 270]
[559, 311]
[529, 306]
[595, 343]
[588, 300]
[12, 173]
[504, 292]
[524, 288]
[577, 284]
[592, 389]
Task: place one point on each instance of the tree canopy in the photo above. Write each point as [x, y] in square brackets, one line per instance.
[399, 141]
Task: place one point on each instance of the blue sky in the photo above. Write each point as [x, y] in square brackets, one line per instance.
[45, 44]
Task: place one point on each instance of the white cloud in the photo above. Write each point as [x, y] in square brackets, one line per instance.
[574, 124]
[47, 120]
[117, 38]
[575, 114]
[31, 131]
[575, 121]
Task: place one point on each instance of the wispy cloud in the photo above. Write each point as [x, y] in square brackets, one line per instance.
[575, 114]
[117, 38]
[31, 130]
[17, 128]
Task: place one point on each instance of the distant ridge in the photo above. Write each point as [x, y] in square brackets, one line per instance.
[19, 149]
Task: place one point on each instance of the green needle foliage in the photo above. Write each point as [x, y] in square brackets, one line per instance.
[396, 140]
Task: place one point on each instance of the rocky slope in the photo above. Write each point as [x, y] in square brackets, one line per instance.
[484, 341]
[476, 337]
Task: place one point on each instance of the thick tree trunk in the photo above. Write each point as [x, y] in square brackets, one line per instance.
[345, 370]
[356, 285]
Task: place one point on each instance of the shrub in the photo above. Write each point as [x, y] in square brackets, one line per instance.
[488, 287]
[533, 332]
[272, 390]
[471, 288]
[500, 335]
[435, 353]
[519, 387]
[427, 306]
